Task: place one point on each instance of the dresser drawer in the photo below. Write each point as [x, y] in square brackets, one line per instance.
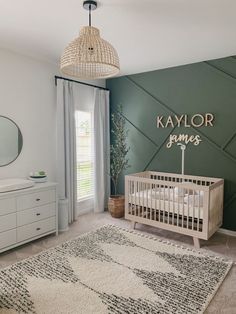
[7, 206]
[7, 238]
[29, 216]
[35, 199]
[35, 229]
[7, 222]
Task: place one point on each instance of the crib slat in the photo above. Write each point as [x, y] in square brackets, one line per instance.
[173, 207]
[168, 219]
[182, 216]
[193, 210]
[142, 198]
[188, 209]
[132, 193]
[130, 196]
[177, 209]
[134, 207]
[139, 183]
[150, 203]
[164, 205]
[198, 214]
[129, 200]
[155, 211]
[146, 200]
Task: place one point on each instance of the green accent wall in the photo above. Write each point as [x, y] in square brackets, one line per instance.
[196, 88]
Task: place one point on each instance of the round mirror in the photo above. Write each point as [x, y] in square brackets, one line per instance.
[11, 141]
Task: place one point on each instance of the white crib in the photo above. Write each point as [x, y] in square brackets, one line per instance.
[186, 204]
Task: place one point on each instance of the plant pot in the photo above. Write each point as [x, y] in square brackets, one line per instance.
[116, 206]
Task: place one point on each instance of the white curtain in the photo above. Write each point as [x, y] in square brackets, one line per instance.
[66, 147]
[101, 150]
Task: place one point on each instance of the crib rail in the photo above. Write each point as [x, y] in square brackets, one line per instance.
[203, 181]
[170, 201]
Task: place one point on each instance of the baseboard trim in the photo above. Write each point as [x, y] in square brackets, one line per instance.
[85, 211]
[63, 230]
[227, 232]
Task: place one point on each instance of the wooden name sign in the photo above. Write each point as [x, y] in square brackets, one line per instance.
[184, 120]
[197, 120]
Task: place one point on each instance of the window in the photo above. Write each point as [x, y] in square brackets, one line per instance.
[84, 148]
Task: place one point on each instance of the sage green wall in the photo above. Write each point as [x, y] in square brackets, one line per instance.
[196, 88]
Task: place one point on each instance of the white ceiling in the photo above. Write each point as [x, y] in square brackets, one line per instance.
[148, 34]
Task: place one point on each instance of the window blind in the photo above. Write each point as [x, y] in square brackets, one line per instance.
[84, 151]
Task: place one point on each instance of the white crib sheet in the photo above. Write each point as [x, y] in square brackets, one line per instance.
[169, 202]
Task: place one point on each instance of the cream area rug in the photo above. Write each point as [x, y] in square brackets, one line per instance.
[113, 270]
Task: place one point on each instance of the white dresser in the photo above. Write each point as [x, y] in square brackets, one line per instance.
[28, 214]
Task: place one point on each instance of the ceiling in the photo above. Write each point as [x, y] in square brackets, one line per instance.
[148, 34]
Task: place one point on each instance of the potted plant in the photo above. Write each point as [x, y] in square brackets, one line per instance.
[119, 161]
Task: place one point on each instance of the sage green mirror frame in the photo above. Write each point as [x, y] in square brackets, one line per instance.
[11, 141]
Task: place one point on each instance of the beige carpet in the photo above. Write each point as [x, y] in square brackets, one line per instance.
[113, 270]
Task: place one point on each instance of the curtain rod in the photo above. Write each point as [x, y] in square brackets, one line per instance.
[70, 80]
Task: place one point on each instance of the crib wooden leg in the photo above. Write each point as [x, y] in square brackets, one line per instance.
[196, 243]
[133, 224]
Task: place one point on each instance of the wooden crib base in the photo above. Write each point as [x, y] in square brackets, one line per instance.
[196, 243]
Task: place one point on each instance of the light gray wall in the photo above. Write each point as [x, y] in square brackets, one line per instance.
[28, 96]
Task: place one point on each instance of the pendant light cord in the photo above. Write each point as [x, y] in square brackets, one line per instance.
[90, 18]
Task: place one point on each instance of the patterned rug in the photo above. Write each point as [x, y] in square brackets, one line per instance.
[113, 270]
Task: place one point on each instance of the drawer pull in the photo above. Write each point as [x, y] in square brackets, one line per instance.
[38, 214]
[38, 229]
[37, 199]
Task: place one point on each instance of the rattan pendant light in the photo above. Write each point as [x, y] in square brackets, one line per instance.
[89, 56]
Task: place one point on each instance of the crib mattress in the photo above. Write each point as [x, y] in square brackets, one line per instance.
[173, 206]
